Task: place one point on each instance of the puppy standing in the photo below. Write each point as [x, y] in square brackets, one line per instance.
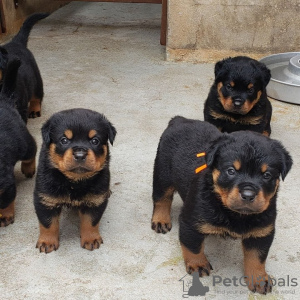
[229, 185]
[29, 85]
[16, 144]
[73, 171]
[238, 100]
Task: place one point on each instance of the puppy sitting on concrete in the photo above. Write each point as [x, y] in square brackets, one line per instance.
[238, 100]
[73, 171]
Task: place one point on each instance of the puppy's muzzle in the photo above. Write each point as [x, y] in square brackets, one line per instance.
[79, 154]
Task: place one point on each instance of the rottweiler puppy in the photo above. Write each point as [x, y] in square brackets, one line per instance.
[16, 144]
[229, 185]
[237, 99]
[73, 171]
[29, 85]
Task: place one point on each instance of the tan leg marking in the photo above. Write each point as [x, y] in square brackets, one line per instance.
[92, 133]
[34, 108]
[161, 218]
[90, 238]
[7, 215]
[69, 134]
[196, 262]
[28, 167]
[266, 133]
[256, 276]
[49, 237]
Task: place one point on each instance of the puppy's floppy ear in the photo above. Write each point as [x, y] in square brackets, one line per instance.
[220, 64]
[46, 130]
[214, 149]
[266, 74]
[264, 71]
[111, 132]
[285, 159]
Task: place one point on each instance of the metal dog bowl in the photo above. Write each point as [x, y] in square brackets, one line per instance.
[285, 76]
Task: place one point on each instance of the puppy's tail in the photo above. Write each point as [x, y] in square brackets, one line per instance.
[23, 34]
[10, 81]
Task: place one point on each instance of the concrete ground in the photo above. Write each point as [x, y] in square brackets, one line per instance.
[107, 57]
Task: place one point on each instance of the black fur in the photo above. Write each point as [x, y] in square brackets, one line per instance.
[56, 182]
[16, 144]
[29, 83]
[241, 79]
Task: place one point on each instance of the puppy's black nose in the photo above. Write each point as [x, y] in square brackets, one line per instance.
[248, 193]
[80, 154]
[237, 102]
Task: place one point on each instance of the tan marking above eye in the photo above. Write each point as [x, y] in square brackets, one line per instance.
[250, 85]
[232, 83]
[68, 134]
[92, 133]
[264, 168]
[237, 164]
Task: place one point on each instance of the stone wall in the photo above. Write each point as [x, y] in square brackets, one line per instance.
[206, 30]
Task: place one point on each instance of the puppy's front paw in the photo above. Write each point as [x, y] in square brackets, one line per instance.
[91, 243]
[202, 267]
[260, 284]
[6, 220]
[34, 114]
[161, 227]
[161, 219]
[47, 245]
[7, 215]
[196, 262]
[28, 168]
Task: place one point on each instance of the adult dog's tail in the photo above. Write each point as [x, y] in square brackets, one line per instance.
[23, 34]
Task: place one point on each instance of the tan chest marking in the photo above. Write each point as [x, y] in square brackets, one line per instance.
[89, 200]
[245, 120]
[255, 233]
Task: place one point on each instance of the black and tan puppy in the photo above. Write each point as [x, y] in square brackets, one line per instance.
[237, 100]
[16, 144]
[229, 185]
[73, 171]
[29, 85]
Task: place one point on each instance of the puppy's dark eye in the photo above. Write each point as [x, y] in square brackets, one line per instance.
[229, 87]
[95, 141]
[251, 90]
[231, 171]
[267, 175]
[64, 140]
